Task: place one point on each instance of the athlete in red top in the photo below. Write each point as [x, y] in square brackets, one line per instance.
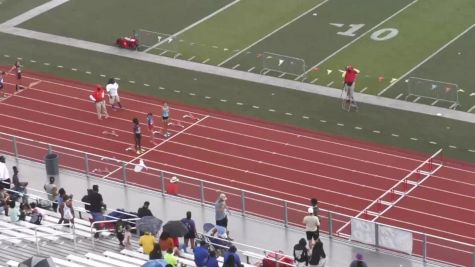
[18, 71]
[349, 76]
[98, 96]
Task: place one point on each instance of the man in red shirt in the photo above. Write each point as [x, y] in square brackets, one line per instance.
[98, 96]
[349, 77]
[172, 187]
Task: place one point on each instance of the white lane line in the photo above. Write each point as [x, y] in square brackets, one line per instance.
[223, 100]
[305, 117]
[249, 70]
[364, 89]
[453, 147]
[288, 114]
[417, 99]
[376, 131]
[330, 83]
[395, 135]
[358, 128]
[206, 60]
[314, 80]
[399, 96]
[272, 32]
[356, 39]
[271, 110]
[340, 124]
[435, 102]
[239, 103]
[235, 66]
[255, 107]
[426, 59]
[146, 84]
[282, 75]
[413, 139]
[191, 58]
[207, 97]
[471, 109]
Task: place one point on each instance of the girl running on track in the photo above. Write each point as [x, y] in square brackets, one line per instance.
[165, 115]
[137, 136]
[2, 88]
[18, 69]
[150, 125]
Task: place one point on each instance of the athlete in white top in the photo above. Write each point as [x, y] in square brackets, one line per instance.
[112, 89]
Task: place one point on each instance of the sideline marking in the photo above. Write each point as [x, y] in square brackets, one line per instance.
[272, 32]
[426, 59]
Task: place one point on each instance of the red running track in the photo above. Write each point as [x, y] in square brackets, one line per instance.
[276, 160]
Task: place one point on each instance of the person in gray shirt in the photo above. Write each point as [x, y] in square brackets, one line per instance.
[221, 211]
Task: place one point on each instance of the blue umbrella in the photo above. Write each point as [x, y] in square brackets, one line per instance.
[155, 263]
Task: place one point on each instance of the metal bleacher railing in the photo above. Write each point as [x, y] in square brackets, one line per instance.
[248, 203]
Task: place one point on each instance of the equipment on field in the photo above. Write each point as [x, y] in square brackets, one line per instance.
[128, 42]
[158, 43]
[285, 65]
[435, 90]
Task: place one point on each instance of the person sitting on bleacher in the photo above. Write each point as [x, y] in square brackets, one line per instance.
[165, 241]
[231, 253]
[212, 260]
[14, 212]
[18, 186]
[35, 217]
[147, 242]
[201, 254]
[156, 253]
[170, 256]
[301, 253]
[4, 199]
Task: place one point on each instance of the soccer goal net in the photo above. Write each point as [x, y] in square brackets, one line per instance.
[436, 90]
[282, 64]
[157, 43]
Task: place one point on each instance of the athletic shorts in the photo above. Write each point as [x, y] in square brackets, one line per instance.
[165, 118]
[312, 235]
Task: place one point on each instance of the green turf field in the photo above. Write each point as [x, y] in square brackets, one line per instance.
[386, 39]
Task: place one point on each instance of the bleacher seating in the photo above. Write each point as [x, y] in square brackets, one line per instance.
[123, 257]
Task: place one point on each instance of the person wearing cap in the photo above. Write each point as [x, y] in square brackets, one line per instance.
[312, 223]
[144, 210]
[172, 187]
[98, 96]
[112, 89]
[358, 262]
[221, 211]
[349, 78]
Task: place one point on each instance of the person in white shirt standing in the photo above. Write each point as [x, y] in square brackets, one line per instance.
[312, 224]
[4, 174]
[112, 89]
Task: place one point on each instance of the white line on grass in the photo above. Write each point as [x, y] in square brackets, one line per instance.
[194, 24]
[364, 89]
[417, 99]
[314, 80]
[356, 39]
[435, 102]
[191, 58]
[330, 83]
[399, 96]
[206, 60]
[426, 59]
[249, 70]
[471, 109]
[235, 66]
[274, 31]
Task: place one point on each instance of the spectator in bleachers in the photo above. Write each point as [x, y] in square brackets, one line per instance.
[147, 242]
[172, 187]
[128, 237]
[318, 257]
[212, 260]
[231, 253]
[314, 205]
[120, 231]
[359, 261]
[14, 212]
[66, 210]
[144, 210]
[191, 235]
[201, 254]
[25, 209]
[35, 215]
[96, 202]
[18, 186]
[51, 189]
[311, 227]
[221, 211]
[4, 174]
[4, 199]
[301, 253]
[170, 256]
[165, 241]
[59, 199]
[156, 253]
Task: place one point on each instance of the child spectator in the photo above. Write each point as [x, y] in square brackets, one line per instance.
[301, 253]
[128, 237]
[165, 241]
[156, 253]
[35, 217]
[137, 136]
[191, 235]
[14, 212]
[59, 199]
[147, 241]
[359, 261]
[120, 231]
[150, 126]
[231, 253]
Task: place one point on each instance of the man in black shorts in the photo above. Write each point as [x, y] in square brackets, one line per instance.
[312, 224]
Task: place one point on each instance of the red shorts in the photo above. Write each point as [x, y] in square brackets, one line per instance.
[150, 127]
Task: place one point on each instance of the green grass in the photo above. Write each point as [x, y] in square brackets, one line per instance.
[422, 30]
[450, 65]
[12, 8]
[312, 38]
[103, 21]
[238, 27]
[370, 118]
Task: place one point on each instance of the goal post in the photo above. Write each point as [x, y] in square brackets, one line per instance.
[435, 90]
[157, 42]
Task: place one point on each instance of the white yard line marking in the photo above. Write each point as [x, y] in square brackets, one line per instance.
[272, 32]
[314, 80]
[417, 99]
[207, 97]
[235, 66]
[426, 59]
[471, 109]
[146, 84]
[195, 23]
[164, 51]
[271, 110]
[330, 83]
[249, 70]
[288, 114]
[435, 102]
[399, 96]
[356, 39]
[358, 128]
[255, 107]
[191, 58]
[206, 60]
[282, 75]
[453, 147]
[239, 103]
[265, 72]
[364, 89]
[305, 117]
[376, 131]
[395, 135]
[340, 124]
[34, 12]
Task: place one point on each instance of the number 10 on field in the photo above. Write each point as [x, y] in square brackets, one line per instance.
[379, 35]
